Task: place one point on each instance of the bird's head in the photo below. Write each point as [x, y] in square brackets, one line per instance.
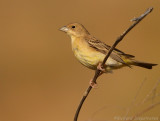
[75, 29]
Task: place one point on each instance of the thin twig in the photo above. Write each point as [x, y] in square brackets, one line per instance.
[97, 72]
[134, 100]
[145, 110]
[151, 106]
[148, 97]
[151, 92]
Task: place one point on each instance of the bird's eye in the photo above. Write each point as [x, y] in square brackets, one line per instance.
[73, 27]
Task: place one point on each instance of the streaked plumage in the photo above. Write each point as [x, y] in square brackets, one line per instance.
[91, 51]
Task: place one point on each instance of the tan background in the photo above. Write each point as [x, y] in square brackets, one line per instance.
[40, 80]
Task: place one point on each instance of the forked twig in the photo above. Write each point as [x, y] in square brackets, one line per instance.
[97, 72]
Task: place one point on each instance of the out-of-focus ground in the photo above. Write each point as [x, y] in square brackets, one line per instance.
[40, 79]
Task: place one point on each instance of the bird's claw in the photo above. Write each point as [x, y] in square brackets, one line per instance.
[93, 84]
[100, 67]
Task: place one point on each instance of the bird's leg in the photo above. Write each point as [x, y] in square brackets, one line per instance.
[101, 68]
[94, 84]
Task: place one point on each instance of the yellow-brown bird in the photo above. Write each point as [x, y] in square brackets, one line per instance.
[90, 51]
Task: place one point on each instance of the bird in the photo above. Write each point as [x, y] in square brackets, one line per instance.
[91, 52]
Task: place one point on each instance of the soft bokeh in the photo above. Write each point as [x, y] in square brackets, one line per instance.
[40, 79]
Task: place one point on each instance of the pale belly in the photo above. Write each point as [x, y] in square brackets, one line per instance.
[91, 59]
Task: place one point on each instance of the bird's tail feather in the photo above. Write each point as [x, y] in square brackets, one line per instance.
[144, 64]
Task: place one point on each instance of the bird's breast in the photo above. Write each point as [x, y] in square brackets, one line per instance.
[86, 55]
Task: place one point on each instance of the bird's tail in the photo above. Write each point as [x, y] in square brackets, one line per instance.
[143, 64]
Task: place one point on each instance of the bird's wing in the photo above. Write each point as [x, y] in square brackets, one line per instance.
[120, 52]
[103, 48]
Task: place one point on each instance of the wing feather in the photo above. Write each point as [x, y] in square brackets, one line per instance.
[103, 48]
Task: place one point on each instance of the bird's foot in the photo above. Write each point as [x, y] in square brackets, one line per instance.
[93, 84]
[101, 68]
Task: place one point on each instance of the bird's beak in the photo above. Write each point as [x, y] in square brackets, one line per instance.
[64, 29]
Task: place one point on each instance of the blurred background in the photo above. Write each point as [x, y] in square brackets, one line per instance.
[40, 79]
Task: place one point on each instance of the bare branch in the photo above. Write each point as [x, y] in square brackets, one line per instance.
[97, 73]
